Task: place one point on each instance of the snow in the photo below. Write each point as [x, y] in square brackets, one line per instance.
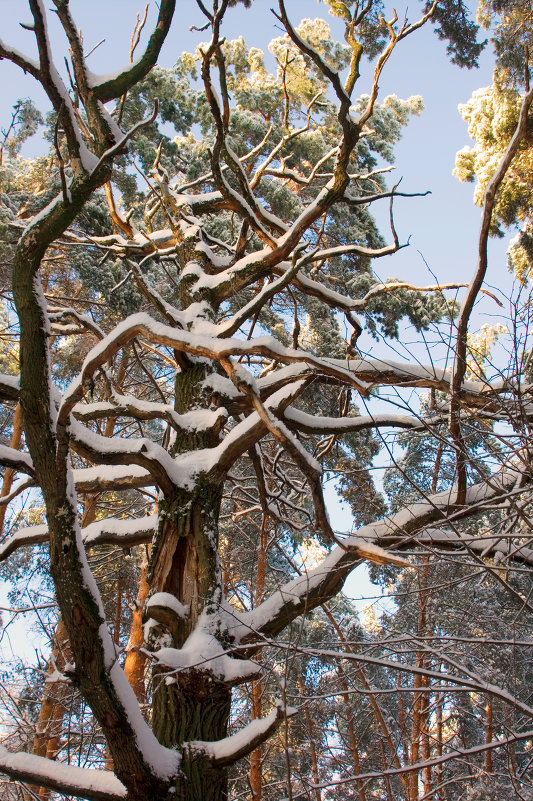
[185, 468]
[100, 530]
[245, 740]
[56, 774]
[326, 424]
[198, 420]
[19, 459]
[169, 602]
[113, 126]
[244, 376]
[203, 346]
[110, 476]
[11, 381]
[31, 535]
[203, 651]
[221, 385]
[163, 761]
[94, 80]
[408, 520]
[18, 54]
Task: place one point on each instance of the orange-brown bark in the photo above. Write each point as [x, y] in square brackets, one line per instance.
[48, 731]
[135, 663]
[311, 739]
[256, 776]
[9, 473]
[419, 746]
[488, 734]
[351, 733]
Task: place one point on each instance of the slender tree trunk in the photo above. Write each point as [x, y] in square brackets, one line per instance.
[351, 733]
[311, 739]
[421, 696]
[439, 770]
[135, 663]
[403, 729]
[374, 702]
[256, 777]
[388, 788]
[488, 734]
[49, 728]
[9, 473]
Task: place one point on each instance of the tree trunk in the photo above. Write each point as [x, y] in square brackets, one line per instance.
[488, 734]
[256, 760]
[439, 769]
[190, 704]
[421, 695]
[9, 473]
[135, 661]
[311, 739]
[351, 732]
[49, 728]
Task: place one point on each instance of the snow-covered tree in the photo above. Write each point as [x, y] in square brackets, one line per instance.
[214, 358]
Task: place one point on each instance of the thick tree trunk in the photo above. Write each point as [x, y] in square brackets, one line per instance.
[190, 704]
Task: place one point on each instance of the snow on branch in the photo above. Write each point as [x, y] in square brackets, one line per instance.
[136, 450]
[227, 751]
[202, 652]
[114, 477]
[113, 86]
[155, 461]
[95, 785]
[196, 345]
[314, 588]
[269, 291]
[312, 424]
[109, 531]
[83, 320]
[129, 406]
[496, 546]
[9, 387]
[16, 460]
[54, 87]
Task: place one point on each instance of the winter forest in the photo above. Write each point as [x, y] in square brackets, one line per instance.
[205, 365]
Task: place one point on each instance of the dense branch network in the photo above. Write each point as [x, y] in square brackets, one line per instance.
[232, 396]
